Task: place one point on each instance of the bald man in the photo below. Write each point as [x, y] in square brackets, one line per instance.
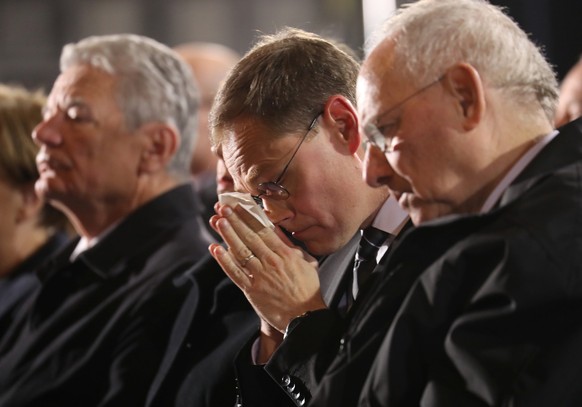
[210, 63]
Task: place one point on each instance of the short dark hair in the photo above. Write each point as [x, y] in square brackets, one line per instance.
[283, 82]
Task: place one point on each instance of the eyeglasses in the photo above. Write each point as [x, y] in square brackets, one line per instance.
[380, 136]
[273, 189]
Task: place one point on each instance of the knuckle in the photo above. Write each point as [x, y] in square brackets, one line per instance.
[248, 236]
[243, 252]
[263, 233]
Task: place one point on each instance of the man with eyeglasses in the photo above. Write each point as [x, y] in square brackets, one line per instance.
[495, 192]
[285, 124]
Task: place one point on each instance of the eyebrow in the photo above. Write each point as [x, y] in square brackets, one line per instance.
[75, 102]
[65, 104]
[380, 116]
[253, 174]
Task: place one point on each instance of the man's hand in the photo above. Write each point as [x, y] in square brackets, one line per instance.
[279, 280]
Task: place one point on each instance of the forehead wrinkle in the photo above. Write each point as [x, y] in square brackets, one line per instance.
[88, 86]
[236, 152]
[82, 79]
[251, 175]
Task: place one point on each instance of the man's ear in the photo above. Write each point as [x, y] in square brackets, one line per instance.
[340, 113]
[465, 85]
[161, 144]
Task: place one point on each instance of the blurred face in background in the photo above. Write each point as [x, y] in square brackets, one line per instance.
[224, 182]
[570, 102]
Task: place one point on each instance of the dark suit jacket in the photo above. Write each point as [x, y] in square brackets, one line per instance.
[197, 369]
[94, 333]
[495, 319]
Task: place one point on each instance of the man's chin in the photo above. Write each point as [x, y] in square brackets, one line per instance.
[425, 212]
[49, 190]
[322, 248]
[418, 210]
[42, 189]
[313, 247]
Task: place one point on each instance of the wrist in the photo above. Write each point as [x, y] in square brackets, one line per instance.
[267, 345]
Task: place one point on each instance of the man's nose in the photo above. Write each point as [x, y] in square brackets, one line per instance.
[377, 171]
[46, 133]
[277, 211]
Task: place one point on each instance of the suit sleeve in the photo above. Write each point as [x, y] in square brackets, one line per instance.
[299, 364]
[254, 385]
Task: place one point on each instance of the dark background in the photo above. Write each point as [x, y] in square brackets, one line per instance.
[32, 32]
[556, 25]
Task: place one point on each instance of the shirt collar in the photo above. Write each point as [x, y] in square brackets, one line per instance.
[85, 243]
[391, 217]
[516, 170]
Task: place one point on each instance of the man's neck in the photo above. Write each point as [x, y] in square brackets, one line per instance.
[93, 218]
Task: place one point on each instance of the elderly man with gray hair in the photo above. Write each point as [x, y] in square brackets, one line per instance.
[115, 147]
[458, 105]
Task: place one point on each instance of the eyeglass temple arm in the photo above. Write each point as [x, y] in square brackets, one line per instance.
[311, 126]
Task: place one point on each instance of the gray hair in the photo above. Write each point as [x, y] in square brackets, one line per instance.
[154, 84]
[432, 35]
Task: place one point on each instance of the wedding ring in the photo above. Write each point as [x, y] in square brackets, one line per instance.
[247, 259]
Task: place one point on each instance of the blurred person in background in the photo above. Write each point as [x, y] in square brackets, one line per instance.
[570, 102]
[31, 230]
[210, 62]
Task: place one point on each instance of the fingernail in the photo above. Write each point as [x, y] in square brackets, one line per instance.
[226, 211]
[222, 223]
[219, 251]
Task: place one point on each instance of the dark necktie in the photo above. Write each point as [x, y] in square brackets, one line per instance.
[371, 241]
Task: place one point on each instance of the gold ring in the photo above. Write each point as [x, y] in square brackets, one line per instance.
[247, 259]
